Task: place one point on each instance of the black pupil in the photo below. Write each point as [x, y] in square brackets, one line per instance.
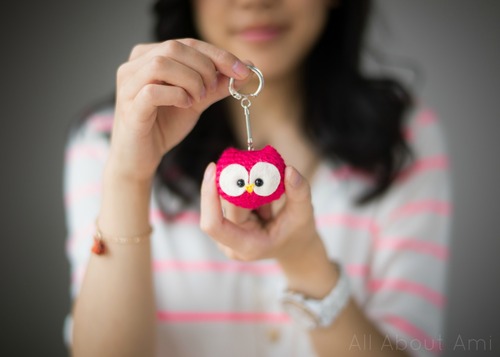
[259, 182]
[240, 183]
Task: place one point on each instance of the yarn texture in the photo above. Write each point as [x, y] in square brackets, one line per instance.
[250, 178]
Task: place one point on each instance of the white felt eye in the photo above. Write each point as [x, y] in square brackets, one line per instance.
[232, 180]
[266, 178]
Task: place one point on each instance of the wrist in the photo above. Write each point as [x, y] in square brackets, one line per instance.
[310, 272]
[125, 203]
[125, 162]
[116, 174]
[311, 313]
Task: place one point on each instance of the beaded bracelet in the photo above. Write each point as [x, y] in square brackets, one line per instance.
[99, 247]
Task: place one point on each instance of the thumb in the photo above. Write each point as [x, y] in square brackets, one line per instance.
[298, 192]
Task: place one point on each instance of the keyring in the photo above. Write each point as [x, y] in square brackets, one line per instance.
[239, 95]
[245, 101]
[250, 178]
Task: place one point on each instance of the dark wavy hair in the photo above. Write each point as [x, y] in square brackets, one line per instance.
[349, 117]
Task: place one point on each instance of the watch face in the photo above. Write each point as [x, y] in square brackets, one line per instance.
[300, 314]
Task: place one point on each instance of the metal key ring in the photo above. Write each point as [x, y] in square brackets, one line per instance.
[237, 94]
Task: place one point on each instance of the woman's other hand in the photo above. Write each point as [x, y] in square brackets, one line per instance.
[160, 93]
[285, 230]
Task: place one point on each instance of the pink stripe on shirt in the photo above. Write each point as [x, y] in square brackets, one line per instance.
[439, 251]
[228, 317]
[359, 270]
[86, 151]
[424, 118]
[82, 192]
[442, 208]
[352, 270]
[216, 266]
[346, 172]
[101, 123]
[159, 266]
[348, 220]
[409, 287]
[438, 162]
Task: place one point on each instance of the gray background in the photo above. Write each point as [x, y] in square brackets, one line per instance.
[57, 57]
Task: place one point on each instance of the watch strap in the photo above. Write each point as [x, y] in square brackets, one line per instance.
[319, 312]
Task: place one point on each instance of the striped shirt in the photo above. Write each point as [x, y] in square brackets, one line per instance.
[394, 249]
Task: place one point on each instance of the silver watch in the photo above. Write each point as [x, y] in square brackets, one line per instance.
[311, 313]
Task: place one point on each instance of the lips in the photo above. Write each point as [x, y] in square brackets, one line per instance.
[260, 33]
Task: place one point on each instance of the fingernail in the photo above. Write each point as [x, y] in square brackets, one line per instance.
[295, 178]
[209, 172]
[241, 69]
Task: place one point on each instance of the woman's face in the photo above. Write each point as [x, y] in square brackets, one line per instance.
[275, 35]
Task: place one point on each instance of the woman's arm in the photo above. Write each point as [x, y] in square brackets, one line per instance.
[408, 308]
[314, 276]
[161, 92]
[114, 315]
[291, 238]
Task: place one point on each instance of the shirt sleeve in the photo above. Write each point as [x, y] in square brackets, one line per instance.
[409, 263]
[86, 152]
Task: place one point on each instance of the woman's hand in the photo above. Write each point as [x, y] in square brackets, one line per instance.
[247, 235]
[161, 92]
[285, 231]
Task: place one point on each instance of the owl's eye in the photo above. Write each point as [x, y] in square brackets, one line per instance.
[232, 179]
[266, 177]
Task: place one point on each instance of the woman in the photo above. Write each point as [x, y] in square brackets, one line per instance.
[355, 203]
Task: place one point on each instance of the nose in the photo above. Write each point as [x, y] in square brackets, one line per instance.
[249, 187]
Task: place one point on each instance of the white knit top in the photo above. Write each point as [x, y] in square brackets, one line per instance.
[394, 249]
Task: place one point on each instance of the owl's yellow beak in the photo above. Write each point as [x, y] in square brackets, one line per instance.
[249, 187]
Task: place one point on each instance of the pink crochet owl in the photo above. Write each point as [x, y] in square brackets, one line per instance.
[252, 178]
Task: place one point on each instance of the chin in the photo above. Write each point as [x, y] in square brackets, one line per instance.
[273, 67]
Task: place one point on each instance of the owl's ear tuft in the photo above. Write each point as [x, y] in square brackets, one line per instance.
[268, 149]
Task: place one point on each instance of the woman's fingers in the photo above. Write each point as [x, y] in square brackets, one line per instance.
[164, 70]
[194, 72]
[199, 68]
[140, 49]
[298, 205]
[235, 214]
[202, 57]
[152, 96]
[265, 212]
[228, 252]
[224, 61]
[212, 219]
[170, 84]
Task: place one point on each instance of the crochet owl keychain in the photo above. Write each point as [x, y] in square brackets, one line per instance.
[250, 178]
